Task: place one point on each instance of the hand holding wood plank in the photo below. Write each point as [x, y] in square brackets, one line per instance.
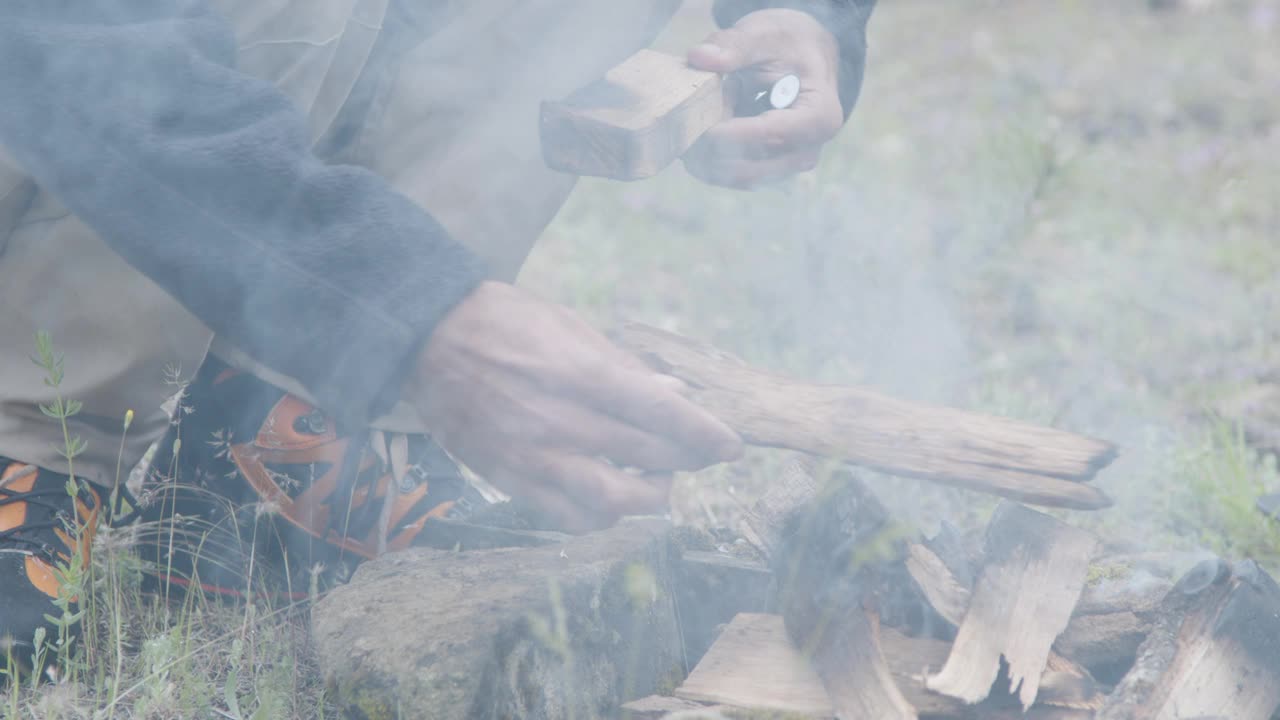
[1004, 457]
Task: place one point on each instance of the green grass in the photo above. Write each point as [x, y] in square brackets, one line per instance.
[120, 653]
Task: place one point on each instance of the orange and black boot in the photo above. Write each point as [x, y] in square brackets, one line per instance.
[41, 527]
[261, 479]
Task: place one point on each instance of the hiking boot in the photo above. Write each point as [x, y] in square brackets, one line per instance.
[266, 481]
[41, 527]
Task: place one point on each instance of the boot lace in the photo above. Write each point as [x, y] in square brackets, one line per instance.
[23, 537]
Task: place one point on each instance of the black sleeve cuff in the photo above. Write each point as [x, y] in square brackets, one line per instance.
[846, 19]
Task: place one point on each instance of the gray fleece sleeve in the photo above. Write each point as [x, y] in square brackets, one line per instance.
[133, 114]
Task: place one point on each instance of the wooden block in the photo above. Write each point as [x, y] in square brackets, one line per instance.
[635, 121]
[989, 454]
[1213, 652]
[1034, 573]
[754, 666]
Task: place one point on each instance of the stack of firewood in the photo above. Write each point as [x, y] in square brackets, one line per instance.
[1033, 617]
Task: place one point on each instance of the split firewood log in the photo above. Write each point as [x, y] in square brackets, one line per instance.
[1213, 652]
[1064, 682]
[1035, 570]
[838, 567]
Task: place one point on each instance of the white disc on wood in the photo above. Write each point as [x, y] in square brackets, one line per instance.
[784, 92]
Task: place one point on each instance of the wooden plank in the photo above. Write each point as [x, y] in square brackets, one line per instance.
[657, 707]
[1033, 576]
[754, 666]
[990, 454]
[641, 116]
[1213, 652]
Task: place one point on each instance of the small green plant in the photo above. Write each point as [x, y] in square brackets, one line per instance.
[1223, 477]
[72, 570]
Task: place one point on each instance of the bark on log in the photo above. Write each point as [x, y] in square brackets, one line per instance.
[1106, 645]
[1012, 459]
[795, 486]
[838, 564]
[1214, 651]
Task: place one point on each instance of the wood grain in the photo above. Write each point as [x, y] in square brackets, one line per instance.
[754, 666]
[996, 455]
[635, 121]
[1033, 576]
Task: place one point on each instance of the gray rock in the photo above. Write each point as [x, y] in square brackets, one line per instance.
[568, 630]
[1269, 505]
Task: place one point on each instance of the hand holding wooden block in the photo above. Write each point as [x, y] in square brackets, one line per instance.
[636, 120]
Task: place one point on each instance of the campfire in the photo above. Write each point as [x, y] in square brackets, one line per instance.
[1032, 617]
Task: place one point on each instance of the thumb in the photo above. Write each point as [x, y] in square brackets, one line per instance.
[724, 52]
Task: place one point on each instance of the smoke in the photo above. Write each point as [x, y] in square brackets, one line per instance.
[1030, 213]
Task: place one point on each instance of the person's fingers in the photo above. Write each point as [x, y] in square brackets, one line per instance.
[742, 174]
[554, 507]
[811, 121]
[673, 383]
[730, 50]
[599, 487]
[646, 402]
[664, 481]
[594, 433]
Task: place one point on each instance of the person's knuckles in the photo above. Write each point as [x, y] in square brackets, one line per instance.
[805, 160]
[723, 51]
[610, 491]
[565, 513]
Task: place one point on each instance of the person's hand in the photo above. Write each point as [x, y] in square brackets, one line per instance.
[761, 48]
[535, 400]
